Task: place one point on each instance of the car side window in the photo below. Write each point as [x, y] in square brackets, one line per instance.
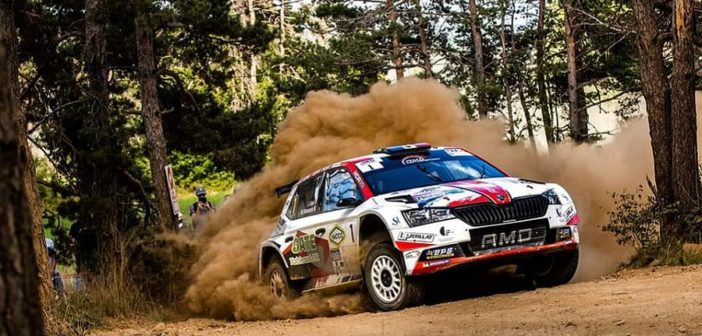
[305, 202]
[292, 208]
[338, 185]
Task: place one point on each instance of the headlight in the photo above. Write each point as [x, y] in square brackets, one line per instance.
[552, 197]
[417, 217]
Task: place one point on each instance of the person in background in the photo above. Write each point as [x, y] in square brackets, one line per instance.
[55, 275]
[200, 209]
[85, 249]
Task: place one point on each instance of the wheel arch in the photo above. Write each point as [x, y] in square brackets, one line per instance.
[372, 227]
[268, 252]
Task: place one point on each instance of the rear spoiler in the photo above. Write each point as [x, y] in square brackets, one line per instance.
[284, 189]
[404, 150]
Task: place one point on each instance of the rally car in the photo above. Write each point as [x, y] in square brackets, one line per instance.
[391, 218]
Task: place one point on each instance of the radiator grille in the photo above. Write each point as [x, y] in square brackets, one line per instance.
[488, 213]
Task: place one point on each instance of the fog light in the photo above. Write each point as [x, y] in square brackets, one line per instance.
[564, 233]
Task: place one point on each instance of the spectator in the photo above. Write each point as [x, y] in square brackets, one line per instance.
[200, 209]
[55, 275]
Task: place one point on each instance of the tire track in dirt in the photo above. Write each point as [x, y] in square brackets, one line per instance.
[652, 301]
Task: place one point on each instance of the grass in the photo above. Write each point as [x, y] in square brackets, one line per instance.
[77, 313]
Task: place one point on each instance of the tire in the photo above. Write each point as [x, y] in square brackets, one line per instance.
[277, 280]
[554, 270]
[385, 280]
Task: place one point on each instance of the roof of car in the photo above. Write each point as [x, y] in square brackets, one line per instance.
[401, 150]
[377, 154]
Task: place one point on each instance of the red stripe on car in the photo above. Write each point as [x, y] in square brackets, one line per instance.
[406, 246]
[495, 193]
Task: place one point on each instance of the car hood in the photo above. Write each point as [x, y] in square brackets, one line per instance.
[461, 193]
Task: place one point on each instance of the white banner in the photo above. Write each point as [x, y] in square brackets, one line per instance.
[172, 189]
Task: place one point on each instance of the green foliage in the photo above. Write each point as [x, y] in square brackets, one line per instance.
[191, 171]
[636, 221]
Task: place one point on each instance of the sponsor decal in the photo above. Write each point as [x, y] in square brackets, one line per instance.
[412, 255]
[412, 159]
[304, 244]
[320, 282]
[279, 228]
[369, 165]
[358, 178]
[493, 240]
[441, 253]
[435, 263]
[426, 197]
[337, 235]
[445, 232]
[310, 258]
[396, 220]
[456, 152]
[305, 211]
[569, 213]
[337, 261]
[416, 237]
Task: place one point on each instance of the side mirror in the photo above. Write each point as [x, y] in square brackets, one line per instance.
[348, 202]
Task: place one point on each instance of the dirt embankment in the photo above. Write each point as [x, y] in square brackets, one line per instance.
[653, 301]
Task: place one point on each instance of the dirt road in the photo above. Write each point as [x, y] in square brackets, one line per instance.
[653, 301]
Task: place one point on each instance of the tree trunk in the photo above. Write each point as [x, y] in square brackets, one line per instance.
[541, 77]
[479, 66]
[253, 66]
[520, 85]
[151, 113]
[8, 40]
[512, 137]
[686, 181]
[396, 47]
[423, 41]
[578, 114]
[554, 113]
[657, 95]
[527, 114]
[281, 14]
[20, 304]
[97, 175]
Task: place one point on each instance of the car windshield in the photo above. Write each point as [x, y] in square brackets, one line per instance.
[420, 171]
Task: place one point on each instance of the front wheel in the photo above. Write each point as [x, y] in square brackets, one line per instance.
[277, 280]
[385, 280]
[554, 270]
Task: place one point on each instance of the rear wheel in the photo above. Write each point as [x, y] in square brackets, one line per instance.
[553, 270]
[385, 280]
[277, 280]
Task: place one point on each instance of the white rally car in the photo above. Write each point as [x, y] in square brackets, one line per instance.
[390, 218]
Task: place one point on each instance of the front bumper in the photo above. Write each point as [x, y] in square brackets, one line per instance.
[433, 266]
[447, 244]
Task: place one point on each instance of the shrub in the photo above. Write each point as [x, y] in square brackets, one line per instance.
[150, 287]
[636, 221]
[78, 312]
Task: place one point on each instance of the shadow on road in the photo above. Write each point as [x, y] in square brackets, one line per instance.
[472, 283]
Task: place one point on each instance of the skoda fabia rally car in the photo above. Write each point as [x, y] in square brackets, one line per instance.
[388, 219]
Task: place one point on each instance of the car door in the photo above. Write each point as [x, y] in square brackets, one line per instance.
[305, 253]
[340, 196]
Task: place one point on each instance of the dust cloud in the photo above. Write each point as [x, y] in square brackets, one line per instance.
[330, 127]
